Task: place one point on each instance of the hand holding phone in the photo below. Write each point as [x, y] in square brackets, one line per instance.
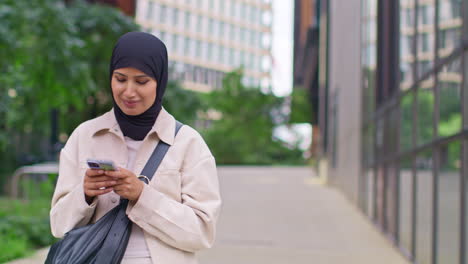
[96, 182]
[101, 164]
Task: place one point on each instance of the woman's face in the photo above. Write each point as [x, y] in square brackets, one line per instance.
[134, 91]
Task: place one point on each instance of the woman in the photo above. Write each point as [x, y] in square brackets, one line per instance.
[175, 214]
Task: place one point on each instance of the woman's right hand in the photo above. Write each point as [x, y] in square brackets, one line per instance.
[94, 182]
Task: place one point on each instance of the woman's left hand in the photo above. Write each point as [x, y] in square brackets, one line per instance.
[128, 185]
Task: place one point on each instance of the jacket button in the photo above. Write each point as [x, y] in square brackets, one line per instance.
[113, 199]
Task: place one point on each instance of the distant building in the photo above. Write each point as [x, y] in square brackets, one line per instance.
[207, 38]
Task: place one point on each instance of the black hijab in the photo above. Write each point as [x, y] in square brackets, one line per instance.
[148, 54]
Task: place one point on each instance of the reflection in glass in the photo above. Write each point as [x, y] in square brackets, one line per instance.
[406, 122]
[390, 199]
[370, 193]
[406, 208]
[450, 79]
[369, 58]
[449, 204]
[450, 24]
[426, 37]
[425, 107]
[424, 208]
[407, 32]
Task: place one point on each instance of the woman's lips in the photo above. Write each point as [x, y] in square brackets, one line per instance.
[130, 104]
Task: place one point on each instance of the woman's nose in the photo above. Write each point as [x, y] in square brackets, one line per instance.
[130, 90]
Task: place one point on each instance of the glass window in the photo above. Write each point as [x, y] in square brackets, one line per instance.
[426, 38]
[406, 204]
[221, 29]
[175, 18]
[200, 24]
[424, 208]
[424, 42]
[181, 45]
[232, 8]
[199, 49]
[220, 54]
[243, 11]
[222, 5]
[200, 4]
[406, 122]
[231, 56]
[450, 83]
[187, 20]
[448, 238]
[370, 193]
[391, 199]
[211, 26]
[210, 51]
[425, 108]
[163, 37]
[212, 5]
[149, 11]
[450, 26]
[175, 44]
[168, 40]
[193, 48]
[233, 33]
[163, 14]
[186, 46]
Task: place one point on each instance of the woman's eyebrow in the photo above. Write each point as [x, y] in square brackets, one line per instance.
[138, 76]
[120, 73]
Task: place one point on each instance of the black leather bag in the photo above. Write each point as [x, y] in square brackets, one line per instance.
[106, 240]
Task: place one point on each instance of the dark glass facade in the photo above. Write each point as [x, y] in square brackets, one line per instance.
[414, 64]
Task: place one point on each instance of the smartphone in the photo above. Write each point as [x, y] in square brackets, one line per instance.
[101, 164]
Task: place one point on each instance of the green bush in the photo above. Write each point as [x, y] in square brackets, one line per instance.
[24, 226]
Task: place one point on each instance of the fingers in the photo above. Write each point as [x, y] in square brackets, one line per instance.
[93, 172]
[101, 184]
[93, 193]
[100, 178]
[121, 173]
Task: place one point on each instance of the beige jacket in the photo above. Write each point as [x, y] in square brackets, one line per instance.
[177, 211]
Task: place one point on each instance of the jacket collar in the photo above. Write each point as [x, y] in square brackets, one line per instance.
[164, 126]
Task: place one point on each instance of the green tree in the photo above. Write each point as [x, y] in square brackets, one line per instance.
[243, 133]
[52, 57]
[183, 104]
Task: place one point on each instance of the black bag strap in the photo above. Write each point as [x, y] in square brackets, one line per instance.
[157, 156]
[122, 225]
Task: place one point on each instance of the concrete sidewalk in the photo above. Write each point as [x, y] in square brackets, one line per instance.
[284, 215]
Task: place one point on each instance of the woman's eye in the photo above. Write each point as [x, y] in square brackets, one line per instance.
[120, 80]
[142, 82]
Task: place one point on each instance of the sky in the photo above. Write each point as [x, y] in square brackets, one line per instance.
[282, 46]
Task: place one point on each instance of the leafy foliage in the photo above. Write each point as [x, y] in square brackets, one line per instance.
[24, 226]
[52, 57]
[243, 134]
[183, 104]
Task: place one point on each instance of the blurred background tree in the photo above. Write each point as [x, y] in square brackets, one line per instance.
[55, 67]
[243, 131]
